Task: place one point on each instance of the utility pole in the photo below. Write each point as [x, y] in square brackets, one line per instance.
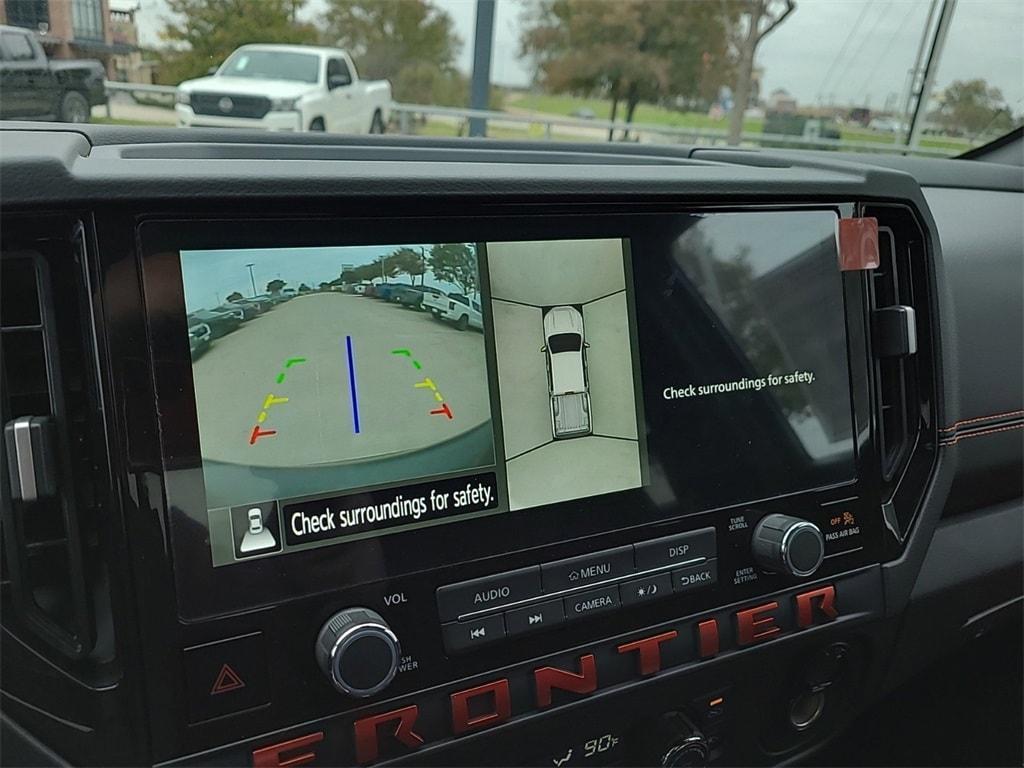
[480, 85]
[252, 278]
[930, 68]
[914, 73]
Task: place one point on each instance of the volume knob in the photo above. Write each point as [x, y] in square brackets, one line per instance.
[358, 652]
[787, 544]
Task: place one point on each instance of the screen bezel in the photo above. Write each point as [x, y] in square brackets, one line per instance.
[204, 591]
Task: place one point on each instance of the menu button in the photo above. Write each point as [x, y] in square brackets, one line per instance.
[588, 569]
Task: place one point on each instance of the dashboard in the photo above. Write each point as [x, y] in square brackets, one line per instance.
[426, 452]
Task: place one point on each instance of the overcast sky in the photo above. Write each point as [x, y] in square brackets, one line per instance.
[850, 51]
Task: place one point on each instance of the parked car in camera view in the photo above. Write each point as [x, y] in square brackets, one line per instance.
[243, 310]
[565, 349]
[464, 312]
[412, 296]
[198, 338]
[386, 291]
[219, 323]
[436, 303]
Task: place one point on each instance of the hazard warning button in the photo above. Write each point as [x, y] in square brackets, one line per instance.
[226, 677]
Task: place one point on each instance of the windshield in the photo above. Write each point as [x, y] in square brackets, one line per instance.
[922, 77]
[272, 65]
[565, 342]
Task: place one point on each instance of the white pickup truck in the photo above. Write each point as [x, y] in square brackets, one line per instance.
[286, 88]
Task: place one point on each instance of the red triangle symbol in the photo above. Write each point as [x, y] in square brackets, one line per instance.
[227, 680]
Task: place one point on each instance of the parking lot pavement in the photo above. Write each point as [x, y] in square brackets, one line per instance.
[522, 375]
[563, 470]
[587, 270]
[246, 374]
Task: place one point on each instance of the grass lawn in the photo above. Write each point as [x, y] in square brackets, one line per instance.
[646, 113]
[602, 108]
[122, 121]
[534, 131]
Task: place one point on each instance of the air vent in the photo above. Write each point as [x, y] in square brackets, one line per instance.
[48, 508]
[903, 369]
[895, 345]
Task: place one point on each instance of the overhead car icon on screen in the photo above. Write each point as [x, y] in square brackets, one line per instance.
[565, 353]
[257, 537]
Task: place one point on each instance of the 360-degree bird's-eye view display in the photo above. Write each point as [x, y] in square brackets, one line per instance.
[572, 383]
[566, 366]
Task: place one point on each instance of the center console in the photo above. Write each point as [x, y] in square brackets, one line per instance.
[416, 451]
[420, 483]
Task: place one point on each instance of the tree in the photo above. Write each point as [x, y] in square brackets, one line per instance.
[325, 286]
[758, 19]
[455, 263]
[303, 288]
[412, 43]
[236, 296]
[410, 262]
[276, 286]
[203, 32]
[645, 50]
[973, 107]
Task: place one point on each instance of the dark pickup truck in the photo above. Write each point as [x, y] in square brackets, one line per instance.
[34, 88]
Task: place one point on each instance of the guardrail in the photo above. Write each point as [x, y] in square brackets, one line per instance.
[591, 128]
[406, 116]
[165, 93]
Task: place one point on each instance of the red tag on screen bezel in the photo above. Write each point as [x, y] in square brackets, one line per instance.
[858, 244]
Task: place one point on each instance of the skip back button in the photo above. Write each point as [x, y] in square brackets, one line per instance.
[462, 636]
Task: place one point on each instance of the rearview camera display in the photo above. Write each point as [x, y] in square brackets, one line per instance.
[346, 392]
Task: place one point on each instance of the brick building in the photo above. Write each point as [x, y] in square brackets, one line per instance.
[69, 29]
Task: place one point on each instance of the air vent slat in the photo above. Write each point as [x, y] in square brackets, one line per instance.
[45, 568]
[894, 330]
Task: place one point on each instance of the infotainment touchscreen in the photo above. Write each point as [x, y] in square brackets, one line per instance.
[349, 392]
[415, 398]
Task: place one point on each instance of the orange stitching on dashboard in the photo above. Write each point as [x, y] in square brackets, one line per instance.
[958, 438]
[976, 419]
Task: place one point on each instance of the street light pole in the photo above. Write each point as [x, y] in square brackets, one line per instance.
[480, 81]
[252, 279]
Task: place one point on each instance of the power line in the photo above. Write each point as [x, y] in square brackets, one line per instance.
[864, 41]
[842, 50]
[888, 48]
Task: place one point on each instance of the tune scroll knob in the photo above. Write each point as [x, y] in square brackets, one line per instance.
[358, 652]
[789, 545]
[676, 742]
